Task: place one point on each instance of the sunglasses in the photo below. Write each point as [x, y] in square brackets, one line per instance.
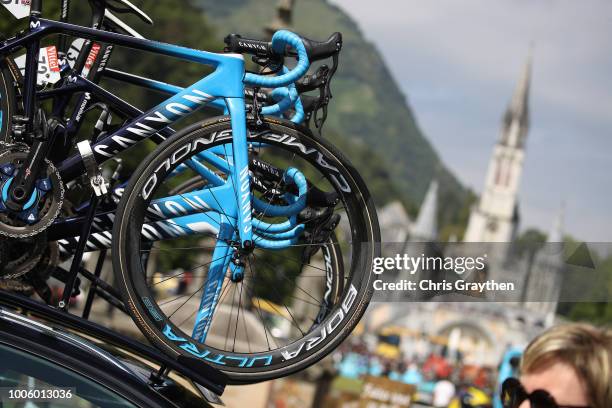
[514, 394]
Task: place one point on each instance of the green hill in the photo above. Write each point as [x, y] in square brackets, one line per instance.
[369, 113]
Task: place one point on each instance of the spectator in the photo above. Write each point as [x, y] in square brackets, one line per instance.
[570, 364]
[388, 369]
[398, 371]
[375, 367]
[412, 375]
[443, 393]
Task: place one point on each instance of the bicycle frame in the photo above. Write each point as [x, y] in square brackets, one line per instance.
[71, 167]
[288, 96]
[225, 83]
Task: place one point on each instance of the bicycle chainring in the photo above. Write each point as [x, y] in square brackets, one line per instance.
[45, 203]
[21, 256]
[17, 286]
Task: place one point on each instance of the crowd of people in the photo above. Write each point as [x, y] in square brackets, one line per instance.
[436, 378]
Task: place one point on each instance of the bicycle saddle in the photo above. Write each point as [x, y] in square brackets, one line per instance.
[119, 25]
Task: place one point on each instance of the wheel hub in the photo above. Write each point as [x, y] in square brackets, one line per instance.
[238, 264]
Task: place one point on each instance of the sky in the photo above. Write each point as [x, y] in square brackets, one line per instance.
[458, 62]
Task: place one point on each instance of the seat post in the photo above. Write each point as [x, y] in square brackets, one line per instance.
[97, 17]
[36, 7]
[63, 39]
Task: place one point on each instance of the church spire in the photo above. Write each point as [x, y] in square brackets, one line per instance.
[556, 232]
[495, 218]
[516, 118]
[283, 18]
[425, 227]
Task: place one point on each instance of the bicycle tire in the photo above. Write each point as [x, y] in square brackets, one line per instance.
[296, 356]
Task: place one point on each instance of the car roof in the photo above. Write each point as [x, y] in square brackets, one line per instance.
[101, 361]
[196, 369]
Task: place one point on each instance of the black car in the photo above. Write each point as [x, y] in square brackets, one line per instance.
[52, 365]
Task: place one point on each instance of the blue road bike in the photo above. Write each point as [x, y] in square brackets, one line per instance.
[245, 206]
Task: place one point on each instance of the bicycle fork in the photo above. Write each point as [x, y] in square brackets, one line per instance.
[214, 281]
[240, 176]
[223, 252]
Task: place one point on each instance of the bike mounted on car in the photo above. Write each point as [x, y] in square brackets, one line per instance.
[262, 192]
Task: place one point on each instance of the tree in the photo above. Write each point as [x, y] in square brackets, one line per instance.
[597, 312]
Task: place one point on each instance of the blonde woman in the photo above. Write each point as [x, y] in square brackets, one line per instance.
[568, 366]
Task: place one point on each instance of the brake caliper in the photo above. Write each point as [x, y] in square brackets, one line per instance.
[320, 225]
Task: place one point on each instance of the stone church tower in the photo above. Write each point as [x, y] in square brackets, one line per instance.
[283, 18]
[495, 217]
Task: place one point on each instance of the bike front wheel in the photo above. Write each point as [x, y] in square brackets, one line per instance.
[296, 302]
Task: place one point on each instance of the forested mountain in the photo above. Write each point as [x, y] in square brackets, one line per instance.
[368, 113]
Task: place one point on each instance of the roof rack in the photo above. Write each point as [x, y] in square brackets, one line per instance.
[192, 368]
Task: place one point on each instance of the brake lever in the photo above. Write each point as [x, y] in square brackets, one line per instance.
[256, 109]
[325, 96]
[314, 81]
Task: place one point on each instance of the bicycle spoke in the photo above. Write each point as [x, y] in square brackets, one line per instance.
[304, 245]
[298, 298]
[246, 331]
[237, 318]
[259, 303]
[297, 261]
[185, 320]
[270, 201]
[287, 279]
[175, 248]
[190, 297]
[229, 318]
[286, 308]
[188, 270]
[185, 302]
[221, 208]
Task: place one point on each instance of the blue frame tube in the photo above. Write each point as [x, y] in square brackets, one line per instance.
[225, 81]
[286, 97]
[216, 274]
[240, 176]
[155, 85]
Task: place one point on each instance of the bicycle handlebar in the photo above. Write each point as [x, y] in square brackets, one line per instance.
[280, 41]
[287, 98]
[319, 50]
[236, 43]
[316, 50]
